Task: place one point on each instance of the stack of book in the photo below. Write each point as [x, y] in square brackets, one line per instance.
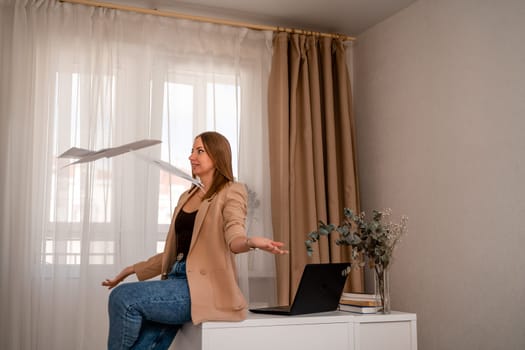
[360, 303]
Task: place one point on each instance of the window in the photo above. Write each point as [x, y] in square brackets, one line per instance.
[82, 196]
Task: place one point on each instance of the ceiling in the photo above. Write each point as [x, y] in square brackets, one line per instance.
[349, 17]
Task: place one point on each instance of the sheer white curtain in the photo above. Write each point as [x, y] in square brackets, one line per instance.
[95, 78]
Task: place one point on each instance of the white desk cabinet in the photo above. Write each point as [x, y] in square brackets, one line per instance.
[325, 331]
[396, 331]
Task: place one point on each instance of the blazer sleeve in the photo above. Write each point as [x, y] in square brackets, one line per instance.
[149, 268]
[234, 212]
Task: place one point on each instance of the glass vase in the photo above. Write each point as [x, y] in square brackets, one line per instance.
[382, 284]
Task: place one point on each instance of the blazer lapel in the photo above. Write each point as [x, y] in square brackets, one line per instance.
[201, 215]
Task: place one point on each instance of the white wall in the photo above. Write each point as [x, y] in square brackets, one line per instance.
[440, 113]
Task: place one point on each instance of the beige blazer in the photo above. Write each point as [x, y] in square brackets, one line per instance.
[210, 265]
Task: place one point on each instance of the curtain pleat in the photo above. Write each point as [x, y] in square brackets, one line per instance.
[312, 151]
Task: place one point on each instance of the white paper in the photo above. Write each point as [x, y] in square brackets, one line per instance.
[85, 155]
[170, 169]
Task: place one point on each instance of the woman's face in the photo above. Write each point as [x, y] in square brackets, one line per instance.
[201, 163]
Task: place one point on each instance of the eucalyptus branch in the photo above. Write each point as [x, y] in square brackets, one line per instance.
[374, 239]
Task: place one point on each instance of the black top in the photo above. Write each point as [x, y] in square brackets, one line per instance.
[184, 224]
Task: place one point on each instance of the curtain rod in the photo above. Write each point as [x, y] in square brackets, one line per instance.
[205, 19]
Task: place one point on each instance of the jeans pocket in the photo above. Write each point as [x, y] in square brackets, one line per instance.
[178, 270]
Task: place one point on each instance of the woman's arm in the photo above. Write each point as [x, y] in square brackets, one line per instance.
[234, 216]
[144, 270]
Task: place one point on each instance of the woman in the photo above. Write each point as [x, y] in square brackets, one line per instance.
[197, 266]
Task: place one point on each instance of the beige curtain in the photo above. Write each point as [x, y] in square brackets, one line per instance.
[312, 152]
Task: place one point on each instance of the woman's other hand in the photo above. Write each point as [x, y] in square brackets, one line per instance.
[111, 283]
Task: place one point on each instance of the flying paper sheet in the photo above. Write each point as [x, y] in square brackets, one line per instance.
[170, 169]
[85, 155]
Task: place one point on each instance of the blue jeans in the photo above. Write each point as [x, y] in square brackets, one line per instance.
[147, 315]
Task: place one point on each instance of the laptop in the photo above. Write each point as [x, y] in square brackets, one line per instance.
[319, 290]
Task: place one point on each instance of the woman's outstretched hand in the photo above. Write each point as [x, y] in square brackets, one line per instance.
[111, 283]
[267, 245]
